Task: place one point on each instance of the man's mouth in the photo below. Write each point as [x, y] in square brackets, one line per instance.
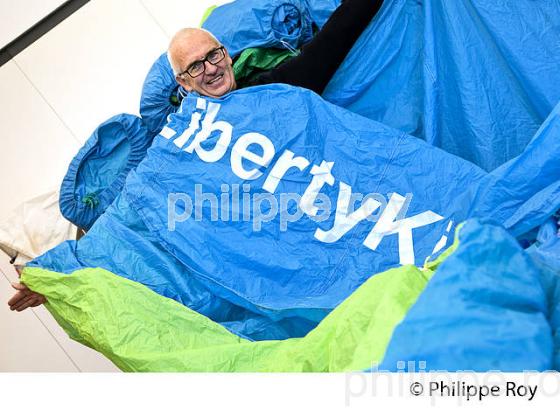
[215, 79]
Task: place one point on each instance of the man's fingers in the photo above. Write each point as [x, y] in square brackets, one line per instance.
[17, 298]
[29, 298]
[28, 303]
[20, 302]
[36, 303]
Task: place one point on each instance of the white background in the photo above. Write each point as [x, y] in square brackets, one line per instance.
[19, 15]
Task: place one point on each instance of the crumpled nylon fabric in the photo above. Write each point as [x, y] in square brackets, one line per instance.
[321, 10]
[545, 253]
[524, 192]
[160, 95]
[121, 243]
[158, 334]
[484, 309]
[299, 274]
[459, 75]
[284, 24]
[97, 173]
[24, 235]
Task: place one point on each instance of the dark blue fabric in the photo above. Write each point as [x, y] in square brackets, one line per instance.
[160, 95]
[97, 173]
[484, 309]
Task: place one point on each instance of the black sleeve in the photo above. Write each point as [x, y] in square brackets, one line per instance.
[319, 59]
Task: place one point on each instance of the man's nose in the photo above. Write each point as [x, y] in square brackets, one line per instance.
[209, 68]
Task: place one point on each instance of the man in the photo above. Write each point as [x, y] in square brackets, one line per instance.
[201, 64]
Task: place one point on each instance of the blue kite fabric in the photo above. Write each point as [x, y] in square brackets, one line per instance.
[277, 253]
[281, 24]
[545, 252]
[284, 259]
[160, 95]
[524, 192]
[97, 173]
[474, 77]
[486, 308]
[121, 243]
[321, 10]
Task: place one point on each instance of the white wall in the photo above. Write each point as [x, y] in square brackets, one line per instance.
[20, 15]
[52, 96]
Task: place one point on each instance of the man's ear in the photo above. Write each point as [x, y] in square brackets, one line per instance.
[183, 83]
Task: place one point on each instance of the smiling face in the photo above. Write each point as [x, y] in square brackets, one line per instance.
[191, 45]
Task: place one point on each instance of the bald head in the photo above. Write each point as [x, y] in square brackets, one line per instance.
[187, 42]
[197, 51]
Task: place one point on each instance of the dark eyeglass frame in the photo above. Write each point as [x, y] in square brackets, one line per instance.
[203, 62]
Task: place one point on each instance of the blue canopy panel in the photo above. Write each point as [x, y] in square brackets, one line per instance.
[476, 78]
[524, 192]
[279, 273]
[97, 173]
[121, 243]
[484, 309]
[160, 95]
[546, 255]
[307, 266]
[321, 10]
[263, 23]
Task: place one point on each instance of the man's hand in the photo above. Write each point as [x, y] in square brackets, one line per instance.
[24, 298]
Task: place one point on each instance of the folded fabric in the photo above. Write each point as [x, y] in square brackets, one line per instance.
[33, 228]
[284, 24]
[140, 330]
[160, 95]
[97, 173]
[484, 309]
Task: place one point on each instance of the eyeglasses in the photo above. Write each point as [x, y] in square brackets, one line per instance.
[199, 67]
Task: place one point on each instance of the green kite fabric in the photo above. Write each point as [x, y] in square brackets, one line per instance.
[206, 14]
[254, 61]
[140, 330]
